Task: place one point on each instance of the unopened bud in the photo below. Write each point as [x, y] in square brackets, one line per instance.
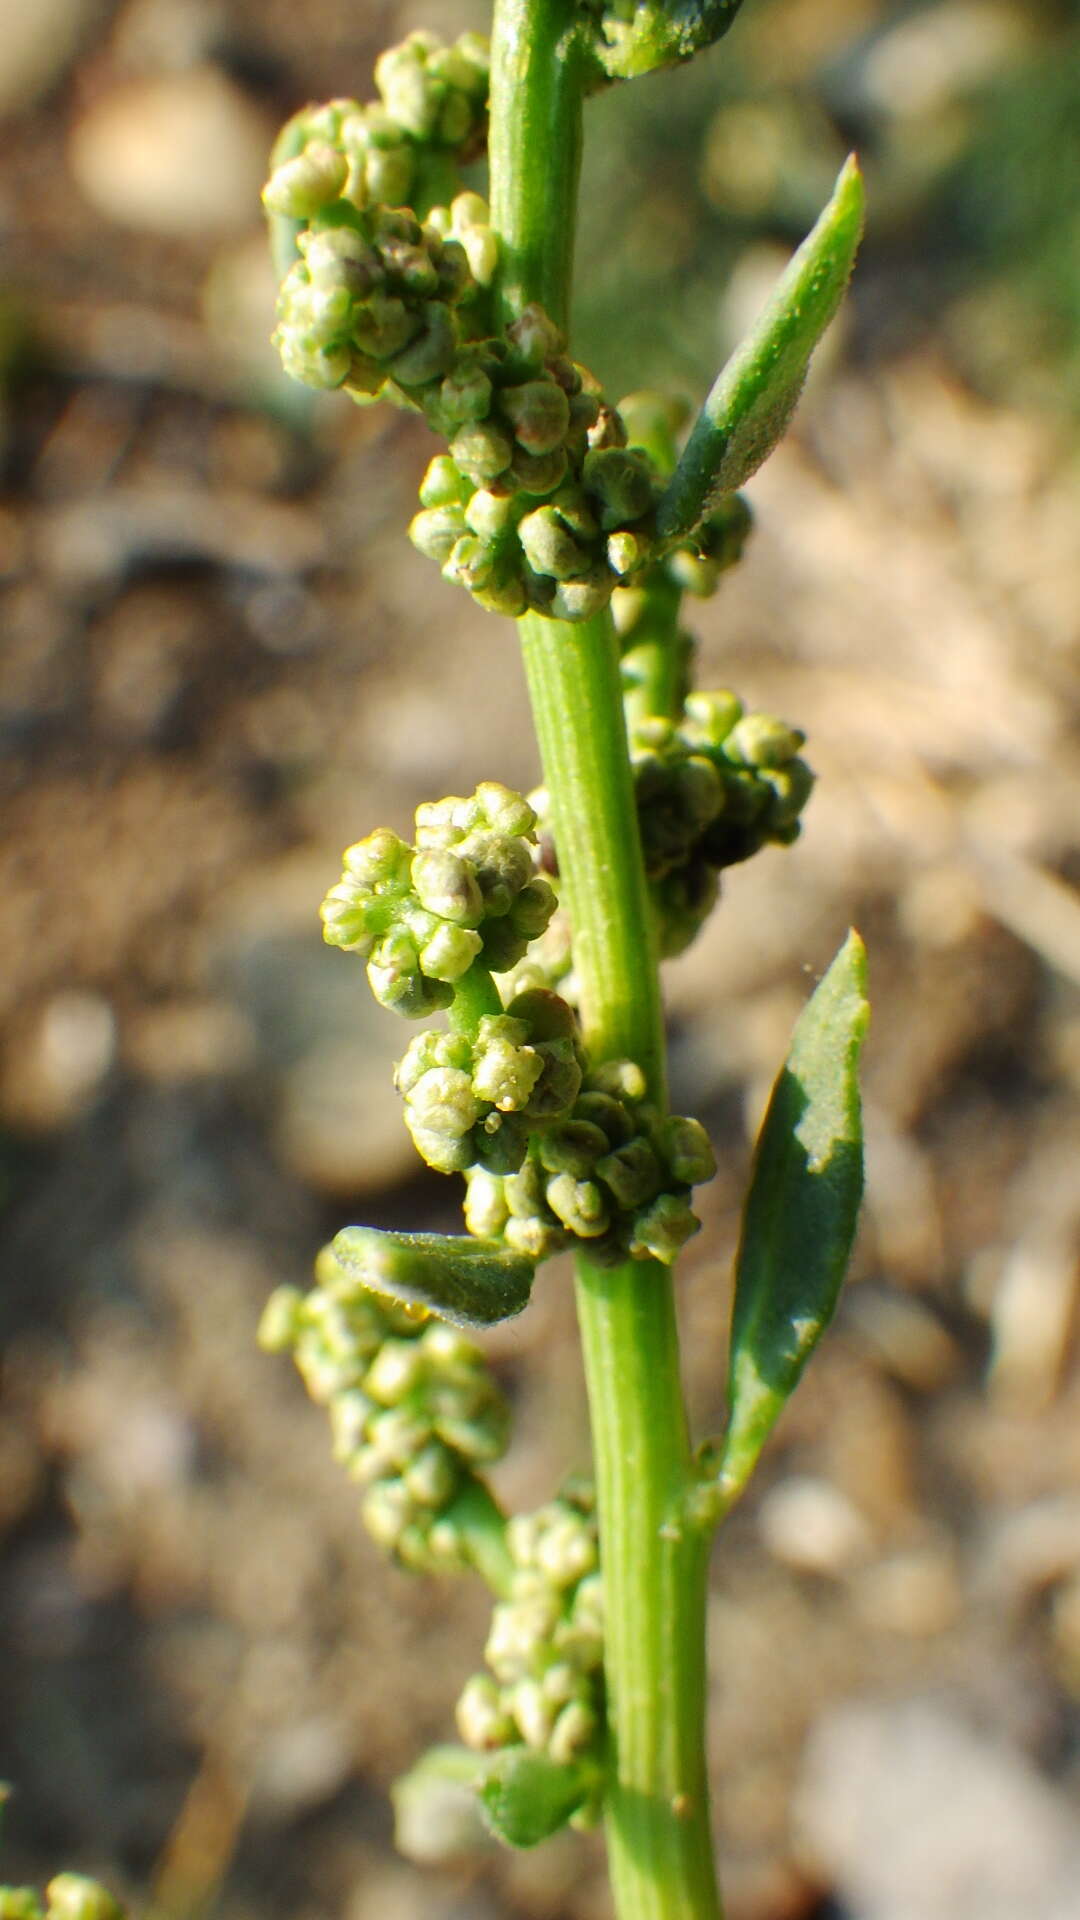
[301, 187]
[760, 741]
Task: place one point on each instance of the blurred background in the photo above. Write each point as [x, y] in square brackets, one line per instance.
[220, 661]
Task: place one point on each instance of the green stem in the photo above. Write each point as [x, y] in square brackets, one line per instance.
[659, 1837]
[656, 1807]
[576, 694]
[538, 63]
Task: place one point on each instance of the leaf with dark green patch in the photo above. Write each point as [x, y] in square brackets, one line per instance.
[658, 33]
[525, 1796]
[800, 1215]
[754, 397]
[473, 1283]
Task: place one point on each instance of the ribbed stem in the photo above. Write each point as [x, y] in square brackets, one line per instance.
[656, 1807]
[576, 694]
[534, 147]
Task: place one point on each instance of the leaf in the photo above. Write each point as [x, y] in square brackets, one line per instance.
[800, 1214]
[473, 1283]
[754, 397]
[525, 1796]
[660, 33]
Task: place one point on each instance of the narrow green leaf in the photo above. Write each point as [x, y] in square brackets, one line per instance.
[755, 396]
[473, 1283]
[800, 1214]
[525, 1796]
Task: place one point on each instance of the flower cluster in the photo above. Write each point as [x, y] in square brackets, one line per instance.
[474, 1102]
[539, 501]
[467, 891]
[414, 1409]
[545, 1649]
[372, 303]
[616, 1173]
[711, 790]
[68, 1896]
[431, 114]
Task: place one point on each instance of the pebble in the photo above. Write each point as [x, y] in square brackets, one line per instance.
[176, 154]
[916, 1593]
[912, 1812]
[813, 1527]
[58, 1062]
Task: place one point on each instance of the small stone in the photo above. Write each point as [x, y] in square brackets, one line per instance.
[813, 1527]
[180, 154]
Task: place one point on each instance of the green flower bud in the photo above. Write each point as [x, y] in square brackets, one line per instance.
[71, 1896]
[519, 1628]
[579, 1204]
[432, 1477]
[282, 1320]
[626, 552]
[436, 532]
[445, 884]
[478, 1441]
[502, 593]
[485, 1205]
[20, 1903]
[710, 717]
[386, 1510]
[482, 1720]
[566, 1550]
[394, 1372]
[480, 451]
[534, 1714]
[430, 353]
[402, 79]
[573, 1147]
[385, 176]
[443, 1100]
[535, 1237]
[583, 597]
[489, 514]
[442, 484]
[539, 413]
[533, 337]
[397, 1435]
[464, 397]
[396, 980]
[687, 1151]
[791, 787]
[575, 1730]
[621, 480]
[471, 563]
[301, 187]
[450, 953]
[607, 432]
[760, 741]
[506, 1069]
[537, 473]
[632, 1173]
[662, 1229]
[549, 546]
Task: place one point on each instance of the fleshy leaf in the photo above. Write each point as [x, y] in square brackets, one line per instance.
[525, 1796]
[800, 1215]
[473, 1283]
[656, 33]
[753, 399]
